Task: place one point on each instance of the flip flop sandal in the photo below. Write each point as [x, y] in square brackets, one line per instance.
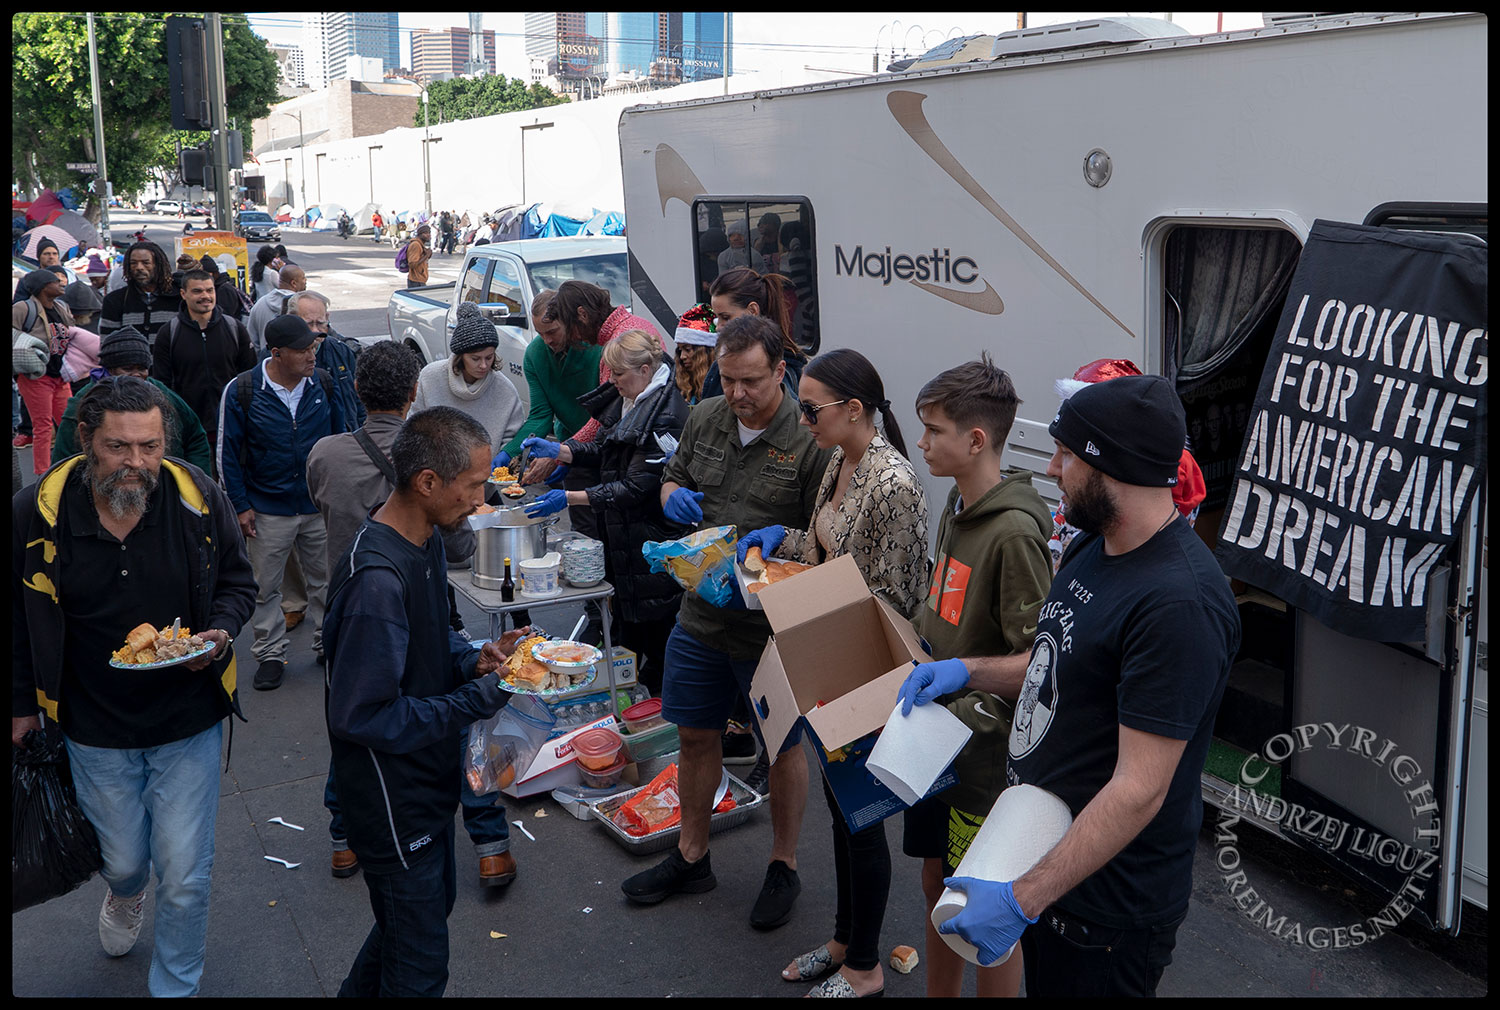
[813, 965]
[837, 986]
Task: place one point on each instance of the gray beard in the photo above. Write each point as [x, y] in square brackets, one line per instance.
[121, 502]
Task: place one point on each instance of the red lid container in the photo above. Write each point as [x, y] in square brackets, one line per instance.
[597, 749]
[643, 716]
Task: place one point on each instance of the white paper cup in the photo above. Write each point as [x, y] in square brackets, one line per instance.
[1023, 826]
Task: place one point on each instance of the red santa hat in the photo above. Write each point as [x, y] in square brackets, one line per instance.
[696, 327]
[1190, 489]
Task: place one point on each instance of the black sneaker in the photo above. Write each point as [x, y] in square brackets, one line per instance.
[774, 906]
[268, 677]
[672, 875]
[759, 778]
[739, 747]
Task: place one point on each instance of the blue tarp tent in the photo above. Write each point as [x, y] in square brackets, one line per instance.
[606, 222]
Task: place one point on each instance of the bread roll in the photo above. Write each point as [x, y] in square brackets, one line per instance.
[141, 637]
[533, 675]
[754, 561]
[904, 959]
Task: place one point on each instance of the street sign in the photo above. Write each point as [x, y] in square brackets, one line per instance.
[83, 166]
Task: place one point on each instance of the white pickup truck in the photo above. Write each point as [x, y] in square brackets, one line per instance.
[502, 279]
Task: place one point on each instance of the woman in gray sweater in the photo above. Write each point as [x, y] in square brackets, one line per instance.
[468, 380]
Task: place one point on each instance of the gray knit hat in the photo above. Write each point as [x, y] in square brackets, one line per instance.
[125, 348]
[82, 298]
[472, 331]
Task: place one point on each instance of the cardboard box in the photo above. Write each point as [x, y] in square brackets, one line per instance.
[835, 663]
[555, 765]
[625, 666]
[745, 577]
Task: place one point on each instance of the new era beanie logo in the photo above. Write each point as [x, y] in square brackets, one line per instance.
[1091, 449]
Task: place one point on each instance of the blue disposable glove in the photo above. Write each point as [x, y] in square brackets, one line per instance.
[541, 448]
[682, 507]
[558, 473]
[502, 458]
[552, 501]
[992, 920]
[767, 539]
[932, 680]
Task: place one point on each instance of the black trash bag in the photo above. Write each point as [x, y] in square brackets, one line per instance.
[53, 847]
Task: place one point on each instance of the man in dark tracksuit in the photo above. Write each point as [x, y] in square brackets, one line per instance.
[399, 693]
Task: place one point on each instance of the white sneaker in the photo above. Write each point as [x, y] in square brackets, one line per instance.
[120, 923]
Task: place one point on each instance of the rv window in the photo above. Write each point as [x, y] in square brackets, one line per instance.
[1465, 218]
[770, 235]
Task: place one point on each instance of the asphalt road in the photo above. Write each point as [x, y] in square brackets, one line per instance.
[567, 929]
[356, 275]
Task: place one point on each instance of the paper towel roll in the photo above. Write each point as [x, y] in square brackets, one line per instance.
[913, 750]
[1022, 827]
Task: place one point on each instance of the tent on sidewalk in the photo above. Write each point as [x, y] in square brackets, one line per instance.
[606, 222]
[364, 218]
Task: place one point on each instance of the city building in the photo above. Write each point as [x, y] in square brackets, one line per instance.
[333, 38]
[446, 50]
[601, 52]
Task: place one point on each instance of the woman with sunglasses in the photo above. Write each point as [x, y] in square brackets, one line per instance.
[869, 506]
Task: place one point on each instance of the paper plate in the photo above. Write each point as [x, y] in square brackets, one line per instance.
[163, 664]
[555, 692]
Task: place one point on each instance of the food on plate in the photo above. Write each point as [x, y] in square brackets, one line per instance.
[502, 475]
[904, 959]
[566, 652]
[522, 653]
[533, 675]
[513, 491]
[772, 572]
[146, 644]
[484, 510]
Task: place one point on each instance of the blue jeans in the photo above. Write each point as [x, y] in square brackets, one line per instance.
[406, 953]
[484, 816]
[157, 806]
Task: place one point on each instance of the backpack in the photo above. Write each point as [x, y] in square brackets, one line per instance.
[401, 263]
[244, 392]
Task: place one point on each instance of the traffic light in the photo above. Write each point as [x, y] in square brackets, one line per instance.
[193, 163]
[187, 80]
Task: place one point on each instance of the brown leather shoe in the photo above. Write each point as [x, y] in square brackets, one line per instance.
[497, 870]
[294, 618]
[345, 863]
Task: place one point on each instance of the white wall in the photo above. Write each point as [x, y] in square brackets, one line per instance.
[477, 162]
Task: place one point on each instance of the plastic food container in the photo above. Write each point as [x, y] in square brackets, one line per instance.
[604, 777]
[598, 750]
[539, 575]
[653, 743]
[643, 716]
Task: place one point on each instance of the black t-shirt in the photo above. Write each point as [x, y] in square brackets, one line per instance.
[1143, 640]
[107, 588]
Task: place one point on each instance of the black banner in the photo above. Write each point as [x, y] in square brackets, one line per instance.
[1366, 442]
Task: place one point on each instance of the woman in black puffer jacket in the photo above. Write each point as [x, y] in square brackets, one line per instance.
[639, 403]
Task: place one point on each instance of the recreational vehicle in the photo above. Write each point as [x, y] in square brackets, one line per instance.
[1123, 190]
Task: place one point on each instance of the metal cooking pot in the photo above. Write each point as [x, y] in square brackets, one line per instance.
[520, 542]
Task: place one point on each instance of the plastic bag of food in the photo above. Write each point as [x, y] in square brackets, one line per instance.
[701, 561]
[504, 745]
[657, 806]
[53, 846]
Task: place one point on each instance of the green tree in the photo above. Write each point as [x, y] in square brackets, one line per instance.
[52, 107]
[471, 97]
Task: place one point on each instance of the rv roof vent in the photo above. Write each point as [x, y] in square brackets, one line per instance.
[1300, 17]
[1079, 34]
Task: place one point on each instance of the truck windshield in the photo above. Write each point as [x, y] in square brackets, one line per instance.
[609, 272]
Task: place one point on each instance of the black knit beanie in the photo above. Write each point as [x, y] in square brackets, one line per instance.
[472, 331]
[1131, 428]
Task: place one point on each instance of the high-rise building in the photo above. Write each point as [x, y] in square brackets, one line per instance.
[446, 51]
[666, 47]
[332, 38]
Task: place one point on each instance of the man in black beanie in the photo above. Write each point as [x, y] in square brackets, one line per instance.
[1139, 625]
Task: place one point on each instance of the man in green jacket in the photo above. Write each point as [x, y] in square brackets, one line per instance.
[558, 371]
[128, 352]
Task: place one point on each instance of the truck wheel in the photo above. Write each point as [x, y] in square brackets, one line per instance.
[416, 352]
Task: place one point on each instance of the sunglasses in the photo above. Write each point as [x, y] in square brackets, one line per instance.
[810, 410]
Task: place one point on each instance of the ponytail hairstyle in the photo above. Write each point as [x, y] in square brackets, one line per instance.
[743, 285]
[263, 257]
[850, 376]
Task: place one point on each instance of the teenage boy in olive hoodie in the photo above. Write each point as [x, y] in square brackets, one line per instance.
[993, 571]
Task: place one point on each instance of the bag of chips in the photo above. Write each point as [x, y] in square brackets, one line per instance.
[702, 562]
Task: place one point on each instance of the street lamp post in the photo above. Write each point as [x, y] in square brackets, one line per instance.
[370, 157]
[533, 126]
[426, 156]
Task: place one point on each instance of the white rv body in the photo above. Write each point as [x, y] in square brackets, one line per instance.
[984, 163]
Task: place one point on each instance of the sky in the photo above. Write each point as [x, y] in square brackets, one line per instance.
[772, 43]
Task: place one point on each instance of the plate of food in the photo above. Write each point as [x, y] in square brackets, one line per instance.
[525, 673]
[150, 648]
[503, 475]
